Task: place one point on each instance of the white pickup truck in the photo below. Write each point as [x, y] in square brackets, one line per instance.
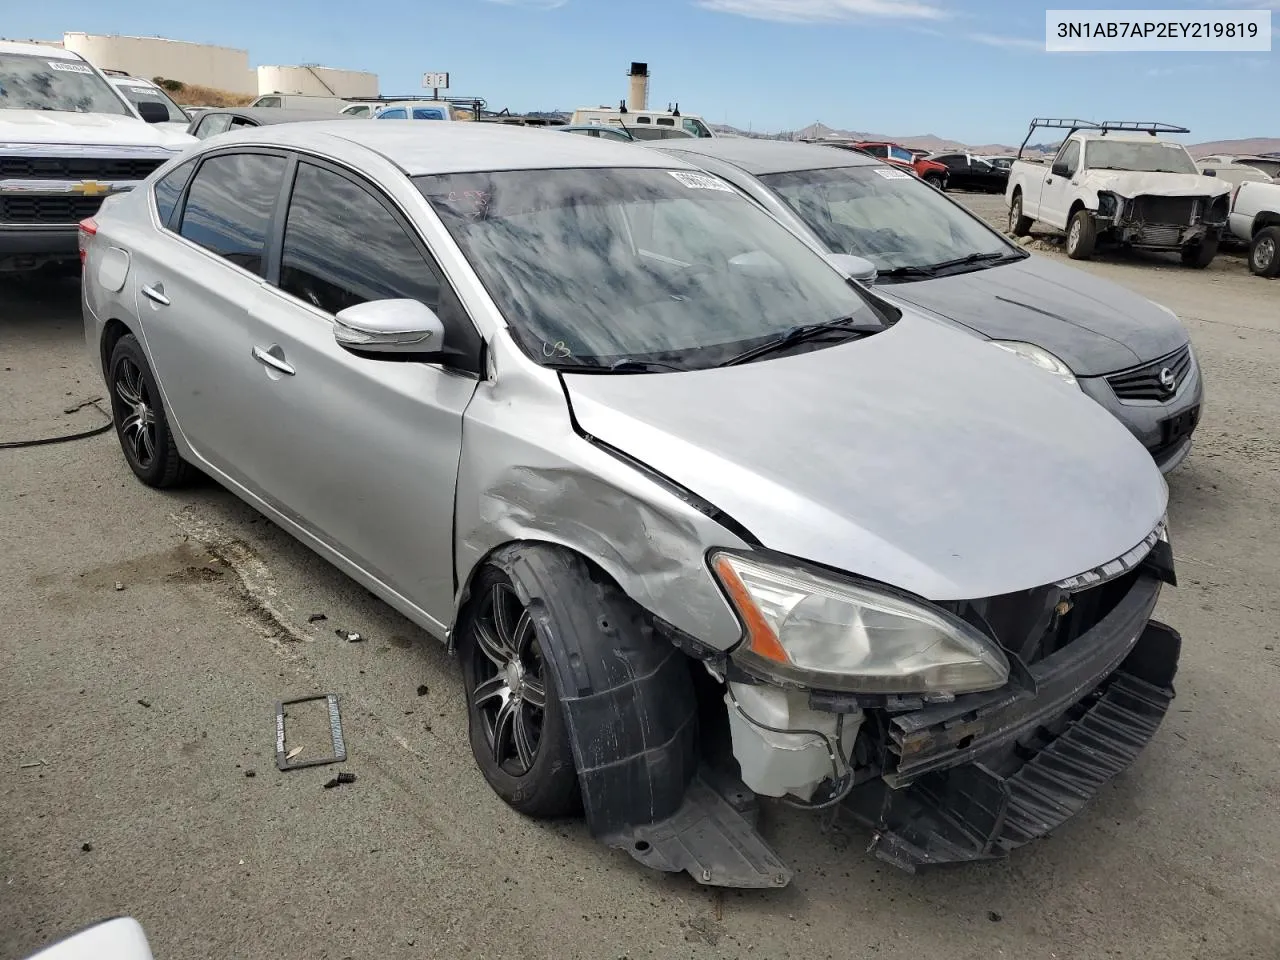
[68, 139]
[1117, 183]
[1255, 219]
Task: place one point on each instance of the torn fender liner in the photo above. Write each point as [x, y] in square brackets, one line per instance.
[983, 809]
[709, 839]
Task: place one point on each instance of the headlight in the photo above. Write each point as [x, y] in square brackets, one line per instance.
[832, 634]
[1041, 357]
[1107, 205]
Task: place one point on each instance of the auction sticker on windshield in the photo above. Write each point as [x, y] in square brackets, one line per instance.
[700, 181]
[70, 67]
[890, 174]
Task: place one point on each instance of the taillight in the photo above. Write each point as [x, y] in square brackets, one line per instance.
[88, 228]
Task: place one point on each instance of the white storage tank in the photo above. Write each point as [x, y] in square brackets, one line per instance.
[223, 68]
[317, 81]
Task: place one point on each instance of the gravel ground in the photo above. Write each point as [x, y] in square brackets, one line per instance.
[147, 637]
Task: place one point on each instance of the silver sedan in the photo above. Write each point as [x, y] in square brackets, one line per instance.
[704, 519]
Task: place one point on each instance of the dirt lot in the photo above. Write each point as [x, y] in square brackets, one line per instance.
[147, 636]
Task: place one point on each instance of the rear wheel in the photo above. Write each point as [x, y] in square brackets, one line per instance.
[141, 424]
[1200, 255]
[1082, 236]
[936, 180]
[518, 730]
[1019, 225]
[1264, 252]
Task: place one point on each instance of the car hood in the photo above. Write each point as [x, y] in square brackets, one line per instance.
[919, 457]
[1096, 326]
[1133, 183]
[59, 127]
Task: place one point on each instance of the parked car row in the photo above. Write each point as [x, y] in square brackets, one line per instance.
[761, 513]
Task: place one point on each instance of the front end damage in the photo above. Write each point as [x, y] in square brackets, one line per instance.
[936, 779]
[1154, 222]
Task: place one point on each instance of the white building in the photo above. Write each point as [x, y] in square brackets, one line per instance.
[317, 81]
[223, 68]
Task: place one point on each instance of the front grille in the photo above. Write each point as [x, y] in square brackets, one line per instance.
[63, 209]
[1034, 624]
[1144, 383]
[1159, 236]
[1173, 210]
[77, 168]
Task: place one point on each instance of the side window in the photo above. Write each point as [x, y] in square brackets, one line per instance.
[267, 102]
[878, 150]
[666, 122]
[427, 113]
[642, 119]
[343, 247]
[230, 203]
[395, 113]
[213, 123]
[169, 188]
[239, 123]
[1071, 157]
[901, 153]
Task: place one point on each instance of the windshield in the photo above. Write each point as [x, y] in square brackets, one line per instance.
[1153, 157]
[885, 215]
[34, 83]
[137, 92]
[593, 266]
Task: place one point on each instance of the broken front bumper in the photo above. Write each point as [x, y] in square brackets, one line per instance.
[983, 775]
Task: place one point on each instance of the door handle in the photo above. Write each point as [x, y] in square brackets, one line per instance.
[272, 361]
[155, 293]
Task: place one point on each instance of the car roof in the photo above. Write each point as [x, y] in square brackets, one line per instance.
[275, 114]
[768, 156]
[462, 147]
[38, 50]
[1125, 135]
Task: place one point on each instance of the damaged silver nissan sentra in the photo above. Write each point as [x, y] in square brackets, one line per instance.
[703, 519]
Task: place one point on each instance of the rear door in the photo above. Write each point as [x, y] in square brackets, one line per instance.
[362, 453]
[195, 286]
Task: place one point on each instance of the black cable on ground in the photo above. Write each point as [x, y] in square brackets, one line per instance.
[66, 438]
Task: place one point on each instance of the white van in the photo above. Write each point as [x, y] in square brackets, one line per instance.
[644, 124]
[300, 101]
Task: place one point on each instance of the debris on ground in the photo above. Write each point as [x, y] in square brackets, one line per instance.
[340, 779]
[284, 761]
[251, 773]
[86, 847]
[423, 689]
[293, 753]
[350, 636]
[316, 618]
[993, 916]
[145, 703]
[33, 763]
[119, 585]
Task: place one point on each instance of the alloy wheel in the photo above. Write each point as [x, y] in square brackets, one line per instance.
[1073, 235]
[1263, 254]
[1015, 214]
[134, 412]
[510, 693]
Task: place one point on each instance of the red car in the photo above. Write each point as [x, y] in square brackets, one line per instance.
[927, 170]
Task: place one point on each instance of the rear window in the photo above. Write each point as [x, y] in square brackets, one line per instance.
[230, 203]
[169, 189]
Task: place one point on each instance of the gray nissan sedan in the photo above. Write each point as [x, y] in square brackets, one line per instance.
[704, 520]
[1130, 354]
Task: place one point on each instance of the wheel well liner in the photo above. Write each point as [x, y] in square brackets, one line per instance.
[112, 333]
[627, 693]
[1263, 220]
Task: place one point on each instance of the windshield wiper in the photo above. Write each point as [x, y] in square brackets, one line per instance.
[632, 365]
[905, 272]
[932, 269]
[800, 334]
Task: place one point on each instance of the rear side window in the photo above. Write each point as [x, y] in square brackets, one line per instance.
[230, 203]
[342, 246]
[212, 124]
[396, 113]
[168, 190]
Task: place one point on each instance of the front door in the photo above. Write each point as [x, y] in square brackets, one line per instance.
[1055, 201]
[362, 452]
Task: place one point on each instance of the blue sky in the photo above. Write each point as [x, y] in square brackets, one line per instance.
[972, 70]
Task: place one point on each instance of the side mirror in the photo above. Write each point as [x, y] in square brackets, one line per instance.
[153, 112]
[1060, 169]
[119, 939]
[1209, 172]
[390, 329]
[855, 268]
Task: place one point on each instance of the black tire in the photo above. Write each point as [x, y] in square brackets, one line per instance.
[1200, 255]
[544, 785]
[1264, 252]
[936, 180]
[142, 426]
[1082, 235]
[1019, 225]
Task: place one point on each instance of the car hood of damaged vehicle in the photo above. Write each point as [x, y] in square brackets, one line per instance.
[918, 457]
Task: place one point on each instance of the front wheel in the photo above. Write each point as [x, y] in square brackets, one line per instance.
[1082, 236]
[518, 730]
[1264, 253]
[1200, 255]
[936, 181]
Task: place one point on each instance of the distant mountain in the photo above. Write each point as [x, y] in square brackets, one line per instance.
[1243, 147]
